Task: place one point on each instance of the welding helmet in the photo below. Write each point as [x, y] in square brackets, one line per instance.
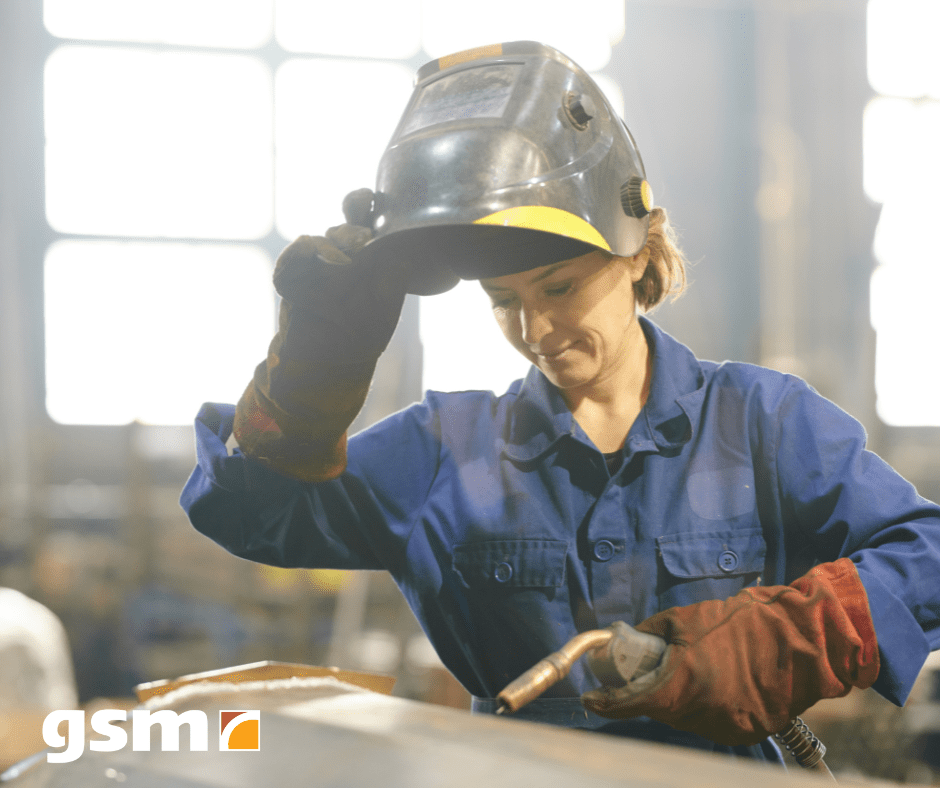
[507, 158]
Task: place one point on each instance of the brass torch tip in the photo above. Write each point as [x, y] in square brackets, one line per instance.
[502, 708]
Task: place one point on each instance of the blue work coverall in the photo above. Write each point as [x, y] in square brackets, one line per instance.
[507, 534]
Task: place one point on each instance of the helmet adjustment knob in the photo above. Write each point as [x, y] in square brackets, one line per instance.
[636, 197]
[579, 108]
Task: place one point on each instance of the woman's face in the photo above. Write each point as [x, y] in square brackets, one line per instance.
[575, 320]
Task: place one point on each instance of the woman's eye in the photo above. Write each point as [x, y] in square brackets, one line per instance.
[559, 290]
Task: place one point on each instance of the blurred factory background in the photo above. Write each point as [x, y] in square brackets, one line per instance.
[155, 156]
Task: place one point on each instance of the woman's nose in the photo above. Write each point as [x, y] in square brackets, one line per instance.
[535, 325]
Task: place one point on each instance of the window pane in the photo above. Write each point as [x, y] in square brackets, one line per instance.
[886, 132]
[364, 28]
[140, 142]
[904, 314]
[211, 23]
[901, 150]
[584, 34]
[334, 120]
[906, 228]
[149, 331]
[903, 56]
[463, 347]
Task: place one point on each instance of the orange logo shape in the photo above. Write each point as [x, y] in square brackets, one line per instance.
[239, 730]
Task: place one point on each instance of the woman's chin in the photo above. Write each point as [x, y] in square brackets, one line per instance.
[565, 377]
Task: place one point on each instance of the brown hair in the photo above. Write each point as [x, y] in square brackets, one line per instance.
[665, 272]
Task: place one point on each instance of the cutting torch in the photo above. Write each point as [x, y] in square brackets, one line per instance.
[619, 655]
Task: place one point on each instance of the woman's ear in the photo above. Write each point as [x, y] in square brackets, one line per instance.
[637, 264]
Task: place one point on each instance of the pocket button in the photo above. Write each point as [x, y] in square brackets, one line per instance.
[503, 572]
[603, 550]
[728, 561]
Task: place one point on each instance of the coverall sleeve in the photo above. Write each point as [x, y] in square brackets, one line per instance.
[847, 502]
[360, 520]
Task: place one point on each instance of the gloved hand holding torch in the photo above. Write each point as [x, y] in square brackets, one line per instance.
[736, 671]
[733, 671]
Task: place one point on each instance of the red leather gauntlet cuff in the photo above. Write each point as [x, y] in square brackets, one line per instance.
[858, 663]
[260, 437]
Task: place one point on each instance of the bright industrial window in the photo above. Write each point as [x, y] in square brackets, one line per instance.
[389, 29]
[147, 331]
[141, 142]
[208, 23]
[169, 136]
[328, 142]
[901, 169]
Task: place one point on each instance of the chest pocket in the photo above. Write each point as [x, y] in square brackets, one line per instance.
[710, 565]
[511, 563]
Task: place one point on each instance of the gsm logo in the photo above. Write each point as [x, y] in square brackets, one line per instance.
[238, 730]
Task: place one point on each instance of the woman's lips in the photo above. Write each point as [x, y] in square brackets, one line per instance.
[555, 355]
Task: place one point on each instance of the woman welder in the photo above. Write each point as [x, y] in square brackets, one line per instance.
[727, 508]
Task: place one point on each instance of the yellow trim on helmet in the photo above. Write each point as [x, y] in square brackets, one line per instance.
[549, 220]
[490, 50]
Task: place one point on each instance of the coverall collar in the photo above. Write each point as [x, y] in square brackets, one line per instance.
[540, 417]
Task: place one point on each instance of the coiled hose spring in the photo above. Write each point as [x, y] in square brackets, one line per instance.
[804, 746]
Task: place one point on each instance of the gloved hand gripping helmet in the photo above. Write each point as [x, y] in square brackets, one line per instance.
[507, 158]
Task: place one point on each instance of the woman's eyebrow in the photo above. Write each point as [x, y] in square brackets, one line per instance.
[544, 275]
[550, 270]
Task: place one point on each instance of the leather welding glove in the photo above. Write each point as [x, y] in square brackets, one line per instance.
[735, 671]
[336, 318]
